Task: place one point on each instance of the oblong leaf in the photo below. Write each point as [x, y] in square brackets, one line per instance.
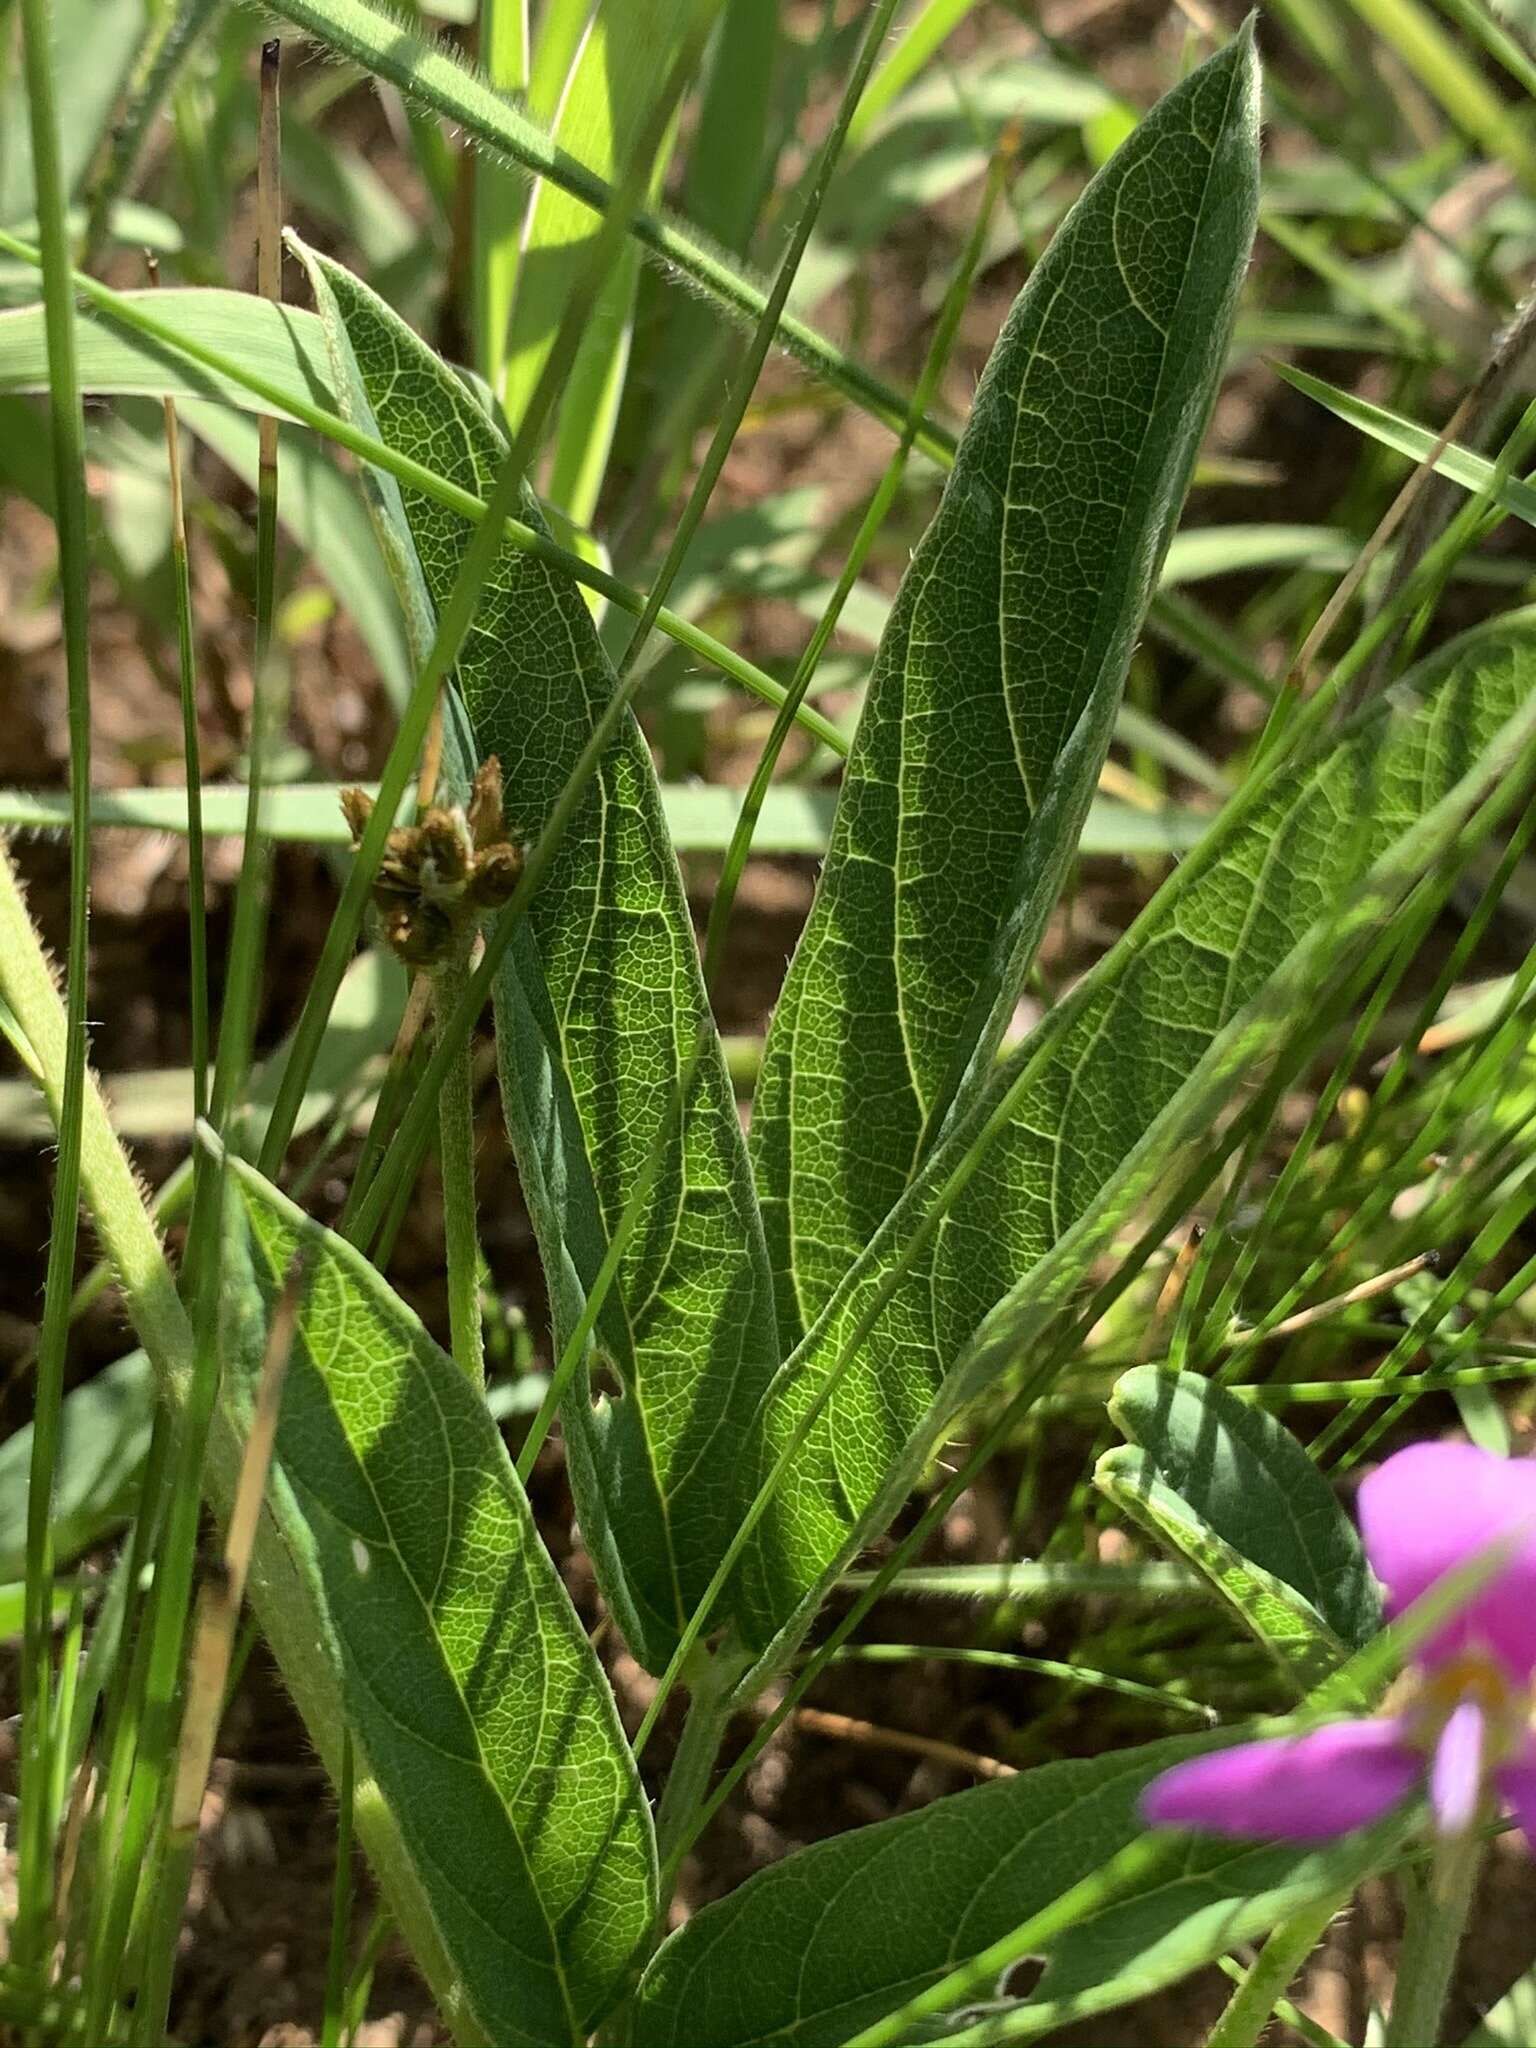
[1019, 1197]
[1283, 1620]
[468, 1681]
[599, 1010]
[992, 698]
[1250, 1482]
[811, 1951]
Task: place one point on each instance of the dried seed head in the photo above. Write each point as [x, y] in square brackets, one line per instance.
[418, 933]
[444, 852]
[487, 825]
[438, 875]
[494, 876]
[357, 809]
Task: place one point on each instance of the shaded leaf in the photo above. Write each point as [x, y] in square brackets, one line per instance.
[1250, 1482]
[807, 1953]
[105, 1427]
[1283, 1620]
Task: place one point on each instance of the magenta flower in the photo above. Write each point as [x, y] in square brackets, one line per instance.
[1456, 1726]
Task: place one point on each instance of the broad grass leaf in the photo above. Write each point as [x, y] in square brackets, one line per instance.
[700, 817]
[104, 1432]
[598, 114]
[1087, 1117]
[809, 1952]
[283, 344]
[467, 1679]
[993, 694]
[1248, 1480]
[598, 1013]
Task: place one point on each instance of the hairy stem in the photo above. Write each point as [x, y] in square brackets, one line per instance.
[1253, 2003]
[456, 1141]
[1437, 1916]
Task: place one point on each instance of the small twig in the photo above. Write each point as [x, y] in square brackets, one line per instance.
[69, 1848]
[1172, 1291]
[845, 1728]
[1367, 1290]
[218, 1606]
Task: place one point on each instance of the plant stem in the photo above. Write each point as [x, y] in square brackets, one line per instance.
[709, 1711]
[1253, 2003]
[456, 1145]
[1437, 1915]
[38, 1813]
[341, 1905]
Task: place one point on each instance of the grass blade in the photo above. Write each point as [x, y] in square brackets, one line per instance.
[39, 1817]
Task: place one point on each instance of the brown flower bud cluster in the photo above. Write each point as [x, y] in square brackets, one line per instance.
[439, 876]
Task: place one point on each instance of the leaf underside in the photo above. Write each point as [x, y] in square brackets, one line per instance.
[993, 694]
[1247, 1479]
[1115, 1076]
[598, 1012]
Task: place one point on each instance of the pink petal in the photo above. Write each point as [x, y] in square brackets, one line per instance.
[1456, 1771]
[1436, 1506]
[1517, 1788]
[1301, 1788]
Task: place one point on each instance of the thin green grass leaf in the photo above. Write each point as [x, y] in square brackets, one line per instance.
[40, 1812]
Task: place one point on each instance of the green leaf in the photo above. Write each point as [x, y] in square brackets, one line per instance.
[993, 694]
[282, 344]
[1395, 430]
[1283, 1620]
[598, 1013]
[105, 1428]
[970, 1272]
[809, 1952]
[1250, 1482]
[468, 1681]
[700, 817]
